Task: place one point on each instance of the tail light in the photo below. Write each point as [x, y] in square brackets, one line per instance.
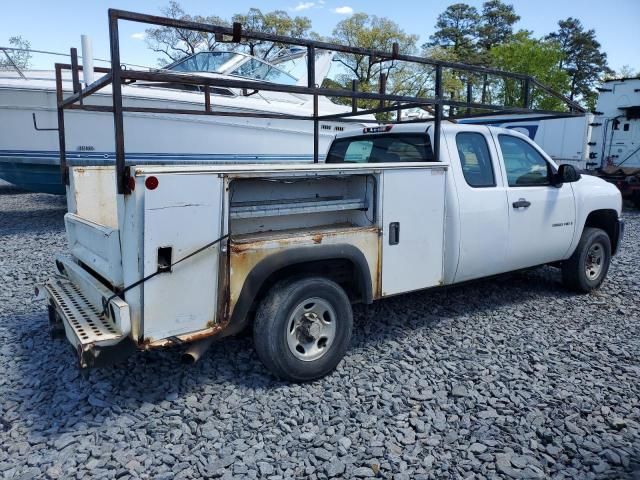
[151, 183]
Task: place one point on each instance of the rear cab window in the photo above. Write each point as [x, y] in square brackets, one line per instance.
[385, 148]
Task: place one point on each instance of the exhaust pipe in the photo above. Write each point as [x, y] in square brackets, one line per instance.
[196, 350]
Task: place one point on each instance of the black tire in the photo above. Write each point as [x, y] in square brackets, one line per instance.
[575, 272]
[274, 328]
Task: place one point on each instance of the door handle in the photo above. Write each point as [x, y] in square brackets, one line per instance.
[521, 203]
[394, 233]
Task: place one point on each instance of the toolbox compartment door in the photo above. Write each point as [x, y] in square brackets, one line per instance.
[95, 245]
[181, 215]
[413, 228]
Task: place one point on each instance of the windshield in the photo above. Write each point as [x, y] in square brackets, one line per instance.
[381, 149]
[221, 62]
[203, 62]
[259, 70]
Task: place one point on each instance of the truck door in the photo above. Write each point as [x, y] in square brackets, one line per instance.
[482, 204]
[541, 216]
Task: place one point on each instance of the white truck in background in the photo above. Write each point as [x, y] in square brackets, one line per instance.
[196, 253]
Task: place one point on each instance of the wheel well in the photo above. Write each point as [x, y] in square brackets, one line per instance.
[341, 270]
[607, 221]
[344, 264]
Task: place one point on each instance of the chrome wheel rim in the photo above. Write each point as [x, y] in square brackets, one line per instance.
[594, 261]
[311, 329]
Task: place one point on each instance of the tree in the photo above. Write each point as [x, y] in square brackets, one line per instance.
[583, 60]
[371, 32]
[16, 58]
[496, 24]
[539, 58]
[176, 43]
[626, 71]
[457, 29]
[277, 22]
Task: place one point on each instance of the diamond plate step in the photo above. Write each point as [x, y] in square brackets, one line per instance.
[84, 319]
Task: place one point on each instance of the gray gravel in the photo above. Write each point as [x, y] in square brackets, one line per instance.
[507, 378]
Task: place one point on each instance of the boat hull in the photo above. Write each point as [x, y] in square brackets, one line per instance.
[32, 174]
[29, 158]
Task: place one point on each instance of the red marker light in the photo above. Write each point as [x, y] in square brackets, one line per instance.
[151, 183]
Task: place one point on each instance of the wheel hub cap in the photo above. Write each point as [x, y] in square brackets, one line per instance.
[595, 258]
[311, 329]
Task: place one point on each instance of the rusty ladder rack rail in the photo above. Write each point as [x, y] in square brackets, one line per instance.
[117, 76]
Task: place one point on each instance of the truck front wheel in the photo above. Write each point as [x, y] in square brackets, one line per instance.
[303, 328]
[586, 269]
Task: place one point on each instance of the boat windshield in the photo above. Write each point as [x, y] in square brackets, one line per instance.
[231, 63]
[259, 70]
[203, 62]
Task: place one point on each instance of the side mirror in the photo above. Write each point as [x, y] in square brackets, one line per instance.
[566, 174]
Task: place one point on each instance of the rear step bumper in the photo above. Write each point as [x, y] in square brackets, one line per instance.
[75, 302]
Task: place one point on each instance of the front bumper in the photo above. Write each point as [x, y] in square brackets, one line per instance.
[97, 328]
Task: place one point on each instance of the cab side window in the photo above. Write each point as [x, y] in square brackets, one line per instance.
[524, 165]
[475, 159]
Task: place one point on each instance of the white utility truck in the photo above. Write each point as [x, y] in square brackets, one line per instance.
[198, 252]
[185, 254]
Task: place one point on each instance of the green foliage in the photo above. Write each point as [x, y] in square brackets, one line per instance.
[496, 25]
[583, 60]
[538, 58]
[277, 22]
[19, 58]
[369, 31]
[626, 71]
[376, 33]
[463, 35]
[569, 61]
[176, 43]
[457, 28]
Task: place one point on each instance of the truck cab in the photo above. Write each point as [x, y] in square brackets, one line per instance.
[503, 194]
[196, 253]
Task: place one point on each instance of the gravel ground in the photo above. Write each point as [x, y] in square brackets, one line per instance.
[507, 378]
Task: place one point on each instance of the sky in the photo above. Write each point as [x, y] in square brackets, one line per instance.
[56, 25]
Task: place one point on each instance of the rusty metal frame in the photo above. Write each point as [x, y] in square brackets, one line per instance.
[117, 75]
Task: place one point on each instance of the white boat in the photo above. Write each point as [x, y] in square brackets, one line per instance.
[29, 156]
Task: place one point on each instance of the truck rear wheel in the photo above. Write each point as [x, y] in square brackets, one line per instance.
[303, 328]
[587, 268]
